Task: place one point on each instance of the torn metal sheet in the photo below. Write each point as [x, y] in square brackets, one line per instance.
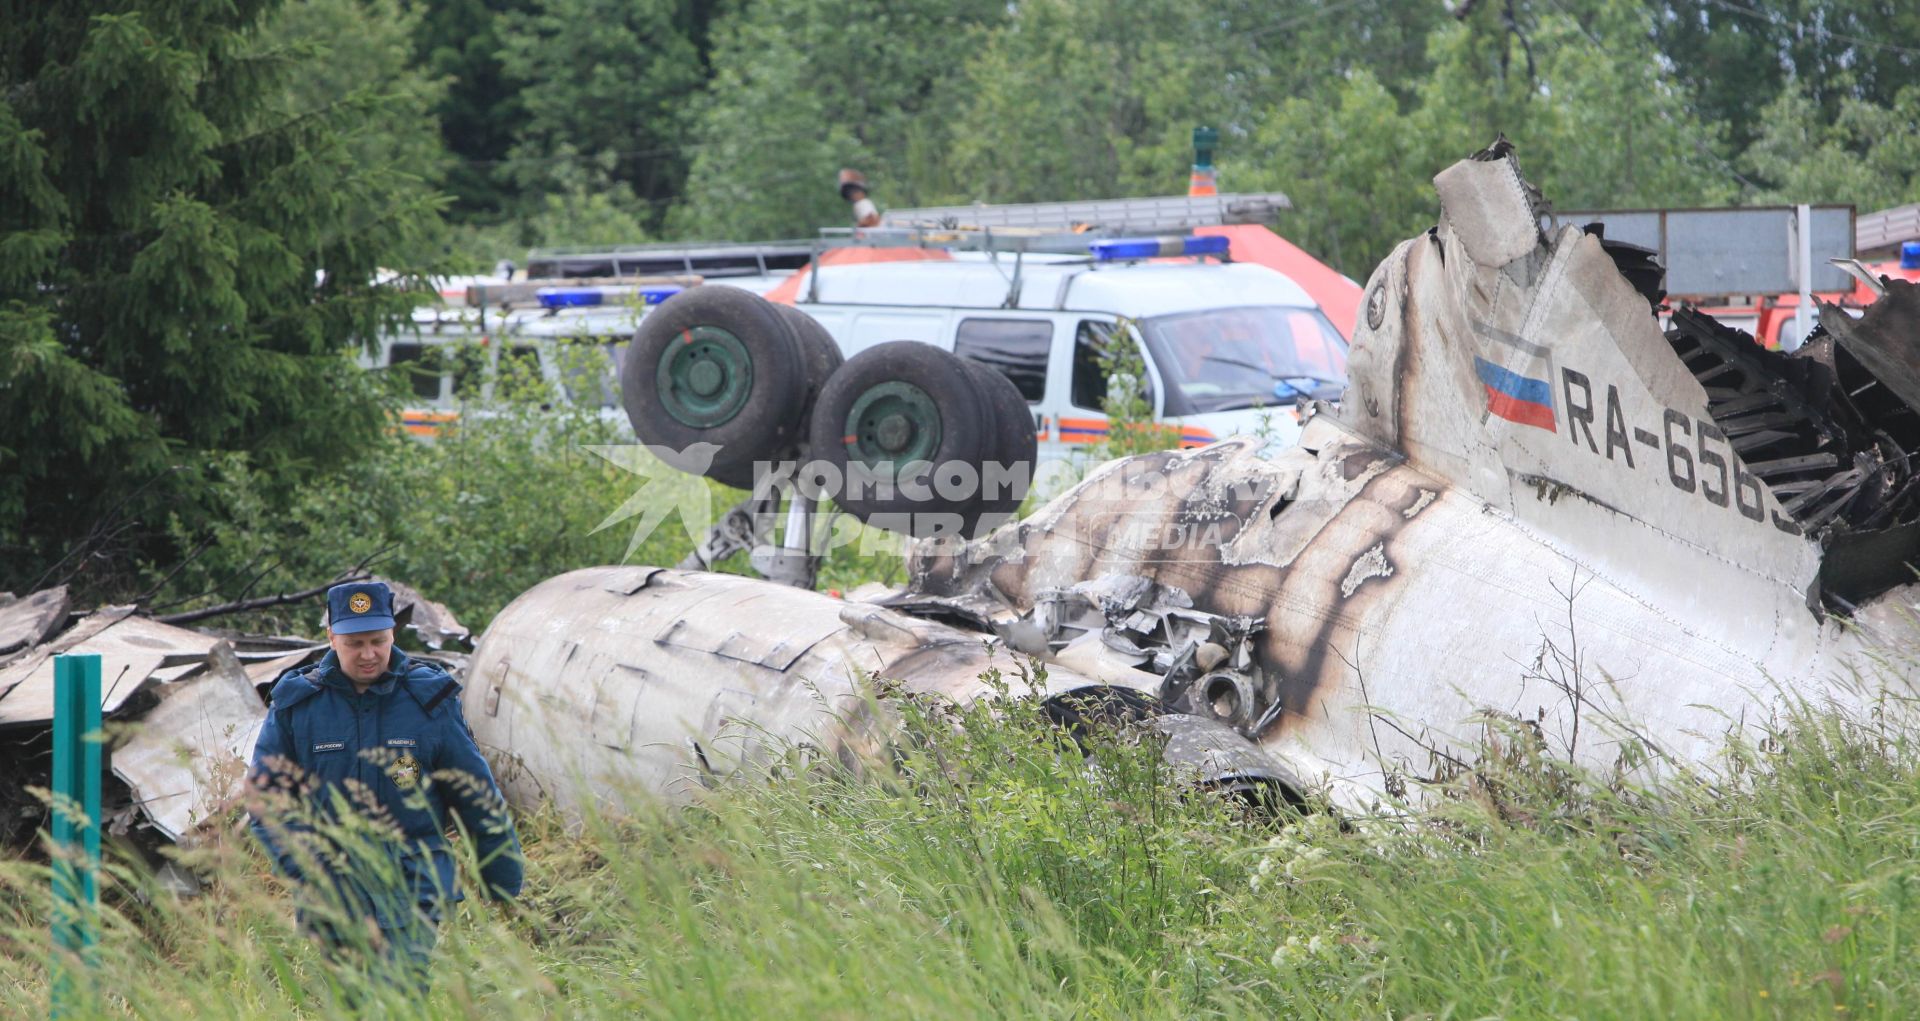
[1490, 207]
[1523, 463]
[433, 622]
[1886, 337]
[26, 622]
[131, 650]
[195, 700]
[187, 759]
[262, 673]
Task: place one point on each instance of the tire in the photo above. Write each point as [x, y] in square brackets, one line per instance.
[904, 405]
[1015, 448]
[717, 365]
[817, 348]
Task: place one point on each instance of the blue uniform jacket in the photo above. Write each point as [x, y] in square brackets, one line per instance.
[400, 754]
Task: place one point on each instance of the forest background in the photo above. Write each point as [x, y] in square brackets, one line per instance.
[198, 201]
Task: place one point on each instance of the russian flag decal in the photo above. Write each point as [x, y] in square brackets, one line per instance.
[1516, 398]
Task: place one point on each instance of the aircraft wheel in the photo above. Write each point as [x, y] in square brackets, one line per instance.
[905, 428]
[1015, 449]
[716, 377]
[817, 349]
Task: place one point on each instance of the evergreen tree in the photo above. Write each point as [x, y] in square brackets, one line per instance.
[459, 42]
[184, 264]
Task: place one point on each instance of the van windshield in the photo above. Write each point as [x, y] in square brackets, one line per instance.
[1222, 359]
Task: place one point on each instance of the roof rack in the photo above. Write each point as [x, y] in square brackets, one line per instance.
[960, 239]
[1150, 215]
[707, 259]
[1093, 247]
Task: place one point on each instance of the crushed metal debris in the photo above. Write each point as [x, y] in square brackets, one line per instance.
[182, 705]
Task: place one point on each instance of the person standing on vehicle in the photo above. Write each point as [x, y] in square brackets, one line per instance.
[360, 759]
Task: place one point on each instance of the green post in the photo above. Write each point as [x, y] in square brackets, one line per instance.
[77, 741]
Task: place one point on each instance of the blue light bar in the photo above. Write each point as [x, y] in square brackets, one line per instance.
[1910, 255]
[570, 297]
[1121, 249]
[586, 297]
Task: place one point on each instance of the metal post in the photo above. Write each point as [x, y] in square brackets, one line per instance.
[1803, 262]
[798, 535]
[77, 741]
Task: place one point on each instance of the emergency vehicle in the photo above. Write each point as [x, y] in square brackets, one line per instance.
[1227, 348]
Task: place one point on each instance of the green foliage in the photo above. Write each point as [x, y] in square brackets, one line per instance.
[500, 500]
[581, 206]
[1094, 106]
[1868, 156]
[1737, 56]
[458, 42]
[512, 493]
[186, 263]
[1583, 98]
[1128, 402]
[345, 47]
[801, 89]
[990, 868]
[604, 86]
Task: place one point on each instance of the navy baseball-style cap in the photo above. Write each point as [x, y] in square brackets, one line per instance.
[359, 606]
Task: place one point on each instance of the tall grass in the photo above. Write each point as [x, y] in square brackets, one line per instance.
[992, 871]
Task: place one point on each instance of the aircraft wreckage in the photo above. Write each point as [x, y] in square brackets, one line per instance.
[186, 705]
[1531, 502]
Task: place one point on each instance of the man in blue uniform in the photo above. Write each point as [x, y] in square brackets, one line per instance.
[360, 759]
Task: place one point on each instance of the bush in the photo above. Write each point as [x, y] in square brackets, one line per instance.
[509, 495]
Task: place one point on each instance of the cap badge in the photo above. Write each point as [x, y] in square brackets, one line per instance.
[360, 602]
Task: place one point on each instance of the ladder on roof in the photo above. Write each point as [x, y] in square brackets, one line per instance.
[959, 239]
[709, 259]
[1151, 215]
[1018, 227]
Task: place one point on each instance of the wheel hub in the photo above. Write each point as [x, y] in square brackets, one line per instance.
[892, 424]
[704, 378]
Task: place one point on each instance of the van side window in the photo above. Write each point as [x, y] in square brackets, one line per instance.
[1089, 380]
[422, 374]
[1090, 343]
[589, 371]
[1016, 347]
[520, 362]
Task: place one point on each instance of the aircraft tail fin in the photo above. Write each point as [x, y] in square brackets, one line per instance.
[1524, 361]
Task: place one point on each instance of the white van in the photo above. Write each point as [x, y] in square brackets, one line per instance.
[1228, 348]
[578, 350]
